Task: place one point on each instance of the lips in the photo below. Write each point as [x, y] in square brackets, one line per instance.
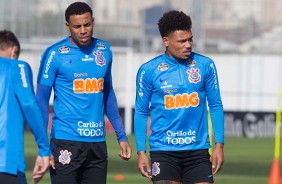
[188, 51]
[84, 39]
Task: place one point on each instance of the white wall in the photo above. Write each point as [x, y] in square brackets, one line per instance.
[247, 82]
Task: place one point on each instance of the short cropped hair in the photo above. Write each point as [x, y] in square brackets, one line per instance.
[8, 39]
[77, 8]
[172, 21]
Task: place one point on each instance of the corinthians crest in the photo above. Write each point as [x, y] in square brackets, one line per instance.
[156, 169]
[64, 158]
[99, 58]
[194, 75]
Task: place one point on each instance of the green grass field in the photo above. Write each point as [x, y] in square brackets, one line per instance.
[247, 161]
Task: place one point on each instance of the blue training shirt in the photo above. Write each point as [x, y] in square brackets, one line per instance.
[175, 95]
[78, 77]
[17, 101]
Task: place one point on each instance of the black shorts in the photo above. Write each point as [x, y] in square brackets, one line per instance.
[79, 162]
[187, 167]
[13, 179]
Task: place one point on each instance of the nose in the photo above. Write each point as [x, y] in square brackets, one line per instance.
[188, 44]
[83, 30]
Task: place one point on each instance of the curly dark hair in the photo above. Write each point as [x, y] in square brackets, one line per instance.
[77, 8]
[174, 20]
[9, 39]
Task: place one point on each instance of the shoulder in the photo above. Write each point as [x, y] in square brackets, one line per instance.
[5, 61]
[22, 68]
[6, 65]
[100, 44]
[202, 59]
[17, 69]
[61, 46]
[153, 63]
[152, 67]
[13, 63]
[21, 62]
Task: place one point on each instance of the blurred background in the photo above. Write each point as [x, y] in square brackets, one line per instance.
[243, 37]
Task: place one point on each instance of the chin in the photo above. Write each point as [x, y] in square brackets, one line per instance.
[85, 44]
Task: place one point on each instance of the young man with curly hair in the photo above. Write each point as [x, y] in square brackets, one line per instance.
[176, 87]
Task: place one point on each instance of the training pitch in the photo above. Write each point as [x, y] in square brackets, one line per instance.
[247, 161]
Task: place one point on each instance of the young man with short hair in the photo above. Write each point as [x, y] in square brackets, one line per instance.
[78, 68]
[175, 87]
[17, 103]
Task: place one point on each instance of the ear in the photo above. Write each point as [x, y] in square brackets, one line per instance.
[14, 52]
[166, 41]
[67, 26]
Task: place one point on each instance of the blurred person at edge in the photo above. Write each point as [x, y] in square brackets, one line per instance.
[176, 87]
[78, 68]
[17, 101]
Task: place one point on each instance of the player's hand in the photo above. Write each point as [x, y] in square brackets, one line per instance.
[40, 168]
[217, 158]
[52, 162]
[143, 165]
[126, 151]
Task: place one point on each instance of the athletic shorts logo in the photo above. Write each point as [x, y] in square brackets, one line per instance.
[194, 75]
[64, 158]
[99, 58]
[156, 169]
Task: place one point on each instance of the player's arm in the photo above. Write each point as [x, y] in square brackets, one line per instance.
[25, 95]
[215, 102]
[45, 80]
[111, 110]
[43, 94]
[141, 112]
[111, 107]
[217, 116]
